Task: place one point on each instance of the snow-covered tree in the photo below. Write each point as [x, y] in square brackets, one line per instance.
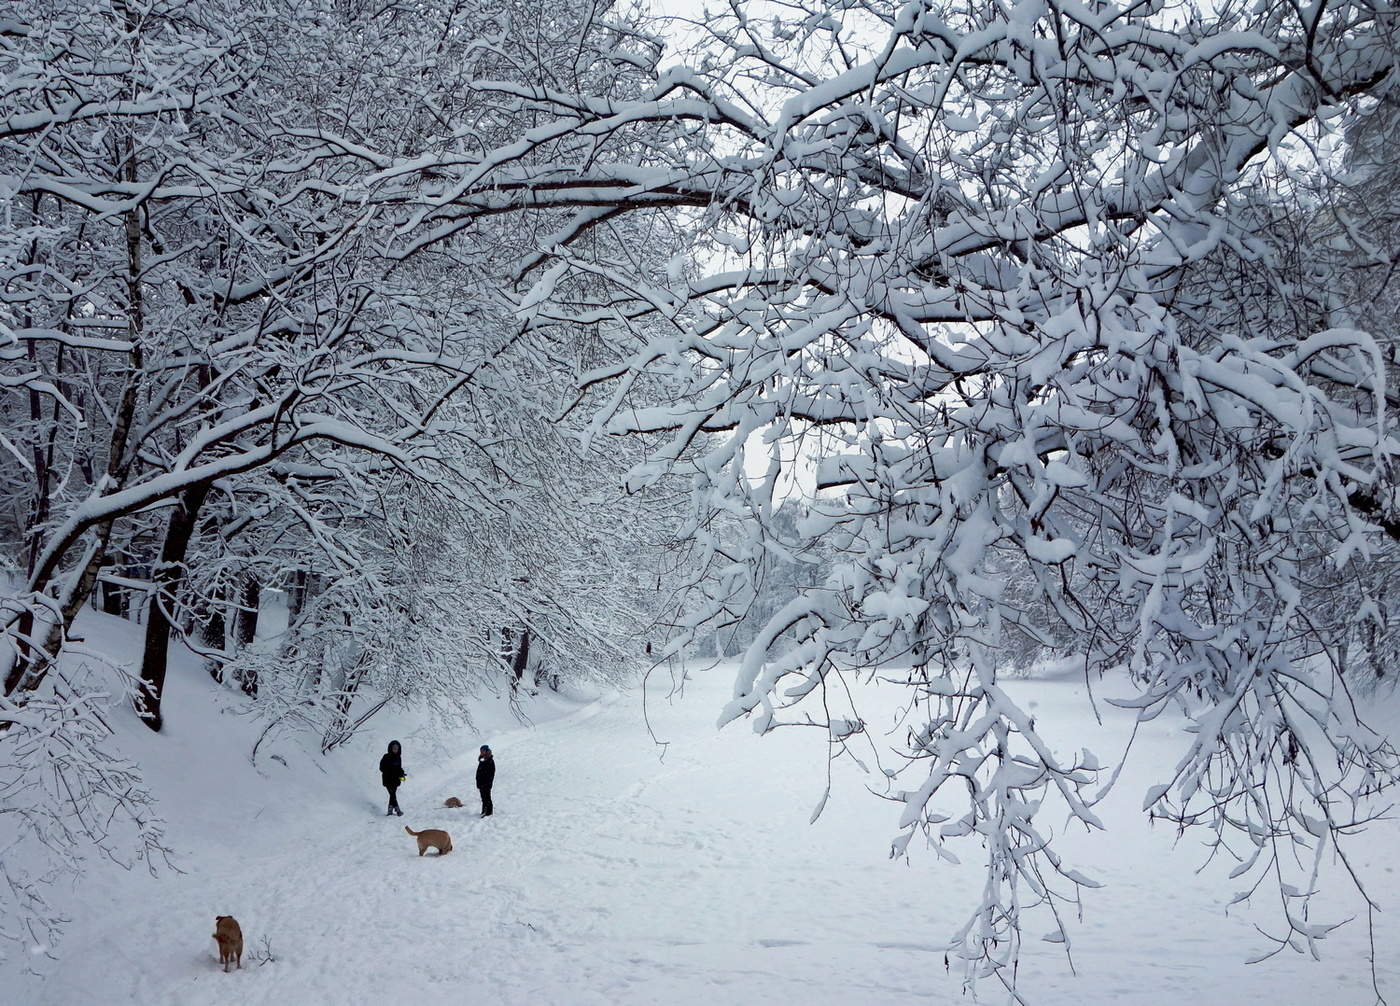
[1014, 275]
[214, 340]
[1025, 282]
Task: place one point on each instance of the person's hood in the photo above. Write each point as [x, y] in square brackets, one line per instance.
[395, 748]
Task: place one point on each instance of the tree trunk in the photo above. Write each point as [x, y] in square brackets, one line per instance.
[248, 600]
[39, 514]
[521, 660]
[113, 599]
[27, 672]
[213, 635]
[246, 628]
[165, 585]
[296, 597]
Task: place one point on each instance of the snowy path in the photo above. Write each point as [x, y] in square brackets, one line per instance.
[608, 876]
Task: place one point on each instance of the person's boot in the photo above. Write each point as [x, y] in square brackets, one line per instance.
[389, 812]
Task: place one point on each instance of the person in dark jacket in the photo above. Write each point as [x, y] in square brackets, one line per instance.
[392, 773]
[485, 776]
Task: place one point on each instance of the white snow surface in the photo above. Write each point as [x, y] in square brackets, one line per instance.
[616, 872]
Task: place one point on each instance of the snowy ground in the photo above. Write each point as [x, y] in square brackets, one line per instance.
[609, 875]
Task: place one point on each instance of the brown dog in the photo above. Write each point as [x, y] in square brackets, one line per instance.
[452, 801]
[230, 939]
[432, 838]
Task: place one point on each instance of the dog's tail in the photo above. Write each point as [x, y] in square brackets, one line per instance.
[410, 831]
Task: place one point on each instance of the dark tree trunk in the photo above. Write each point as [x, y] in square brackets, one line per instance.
[248, 611]
[296, 596]
[213, 634]
[26, 655]
[521, 660]
[27, 673]
[166, 582]
[113, 599]
[246, 627]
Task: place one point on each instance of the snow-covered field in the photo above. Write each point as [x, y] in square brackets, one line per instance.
[612, 874]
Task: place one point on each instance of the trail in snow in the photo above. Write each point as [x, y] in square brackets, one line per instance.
[611, 875]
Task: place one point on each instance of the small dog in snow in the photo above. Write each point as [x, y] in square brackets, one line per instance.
[434, 838]
[230, 940]
[452, 801]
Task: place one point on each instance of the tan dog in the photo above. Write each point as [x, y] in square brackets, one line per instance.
[434, 838]
[230, 939]
[452, 801]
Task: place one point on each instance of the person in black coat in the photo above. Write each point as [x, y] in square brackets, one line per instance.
[392, 773]
[485, 776]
